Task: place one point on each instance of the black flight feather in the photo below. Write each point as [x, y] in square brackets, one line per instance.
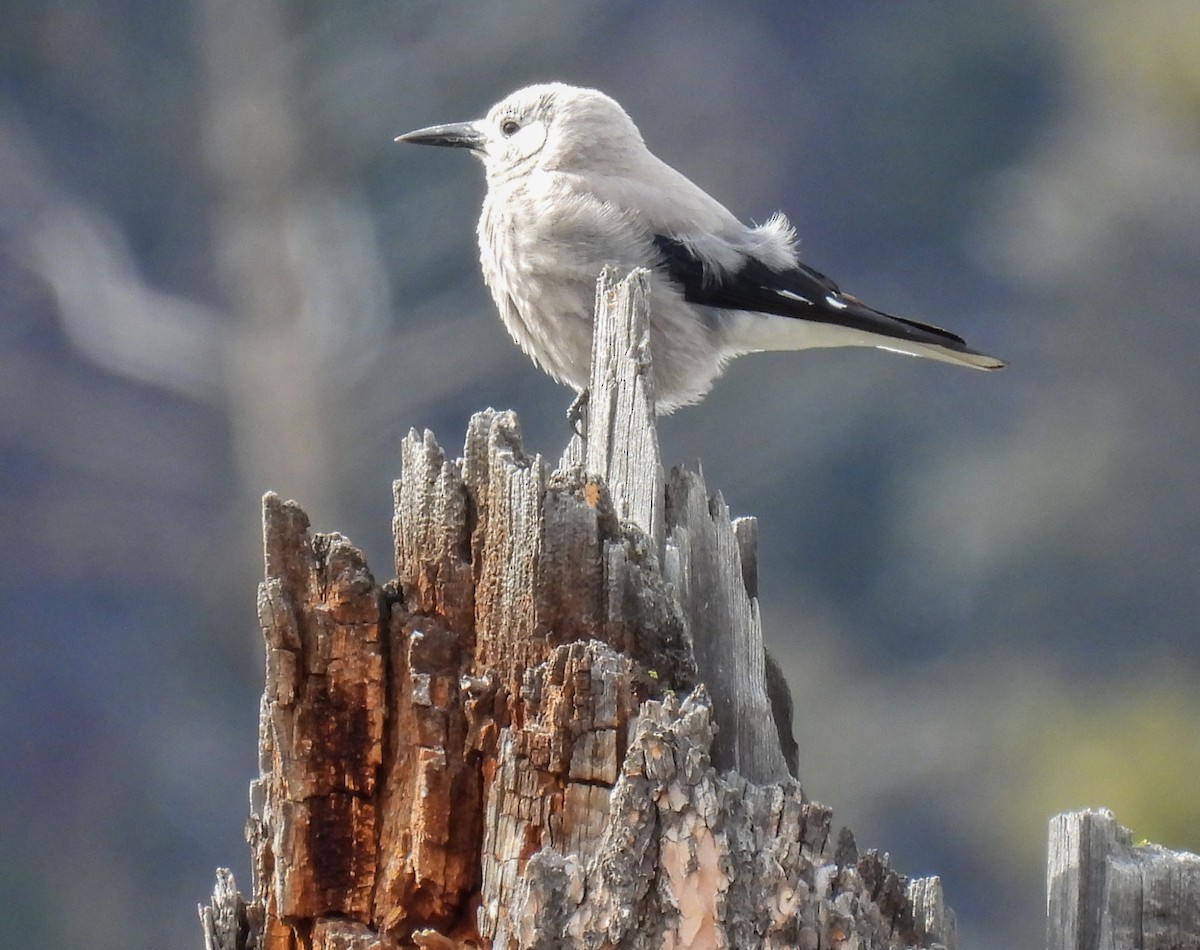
[799, 292]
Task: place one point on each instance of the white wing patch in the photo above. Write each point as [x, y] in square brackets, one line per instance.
[794, 296]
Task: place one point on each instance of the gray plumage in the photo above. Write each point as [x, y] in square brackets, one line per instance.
[572, 187]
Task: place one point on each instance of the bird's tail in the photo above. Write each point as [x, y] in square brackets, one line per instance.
[960, 356]
[750, 332]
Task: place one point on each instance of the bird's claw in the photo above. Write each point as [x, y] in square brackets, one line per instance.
[577, 413]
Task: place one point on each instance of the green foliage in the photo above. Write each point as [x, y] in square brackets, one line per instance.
[1130, 745]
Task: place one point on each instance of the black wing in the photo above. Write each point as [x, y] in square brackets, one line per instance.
[799, 292]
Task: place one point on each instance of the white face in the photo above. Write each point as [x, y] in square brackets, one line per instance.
[515, 130]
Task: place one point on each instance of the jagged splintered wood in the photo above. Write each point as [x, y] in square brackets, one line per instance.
[552, 730]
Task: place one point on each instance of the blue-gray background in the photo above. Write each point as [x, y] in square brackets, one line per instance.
[219, 276]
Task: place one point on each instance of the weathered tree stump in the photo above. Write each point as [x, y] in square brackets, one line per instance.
[1105, 893]
[552, 729]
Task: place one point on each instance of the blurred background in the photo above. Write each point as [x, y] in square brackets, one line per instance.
[219, 276]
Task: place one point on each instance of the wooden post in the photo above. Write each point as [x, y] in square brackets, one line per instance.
[553, 729]
[1105, 893]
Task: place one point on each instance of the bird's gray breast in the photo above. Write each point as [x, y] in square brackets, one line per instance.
[544, 240]
[542, 246]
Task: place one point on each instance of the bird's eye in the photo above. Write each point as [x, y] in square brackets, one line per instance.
[510, 126]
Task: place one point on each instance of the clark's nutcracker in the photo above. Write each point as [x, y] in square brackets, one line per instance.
[572, 187]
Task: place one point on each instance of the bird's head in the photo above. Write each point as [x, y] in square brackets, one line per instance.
[551, 126]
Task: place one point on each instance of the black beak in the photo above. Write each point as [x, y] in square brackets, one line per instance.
[455, 135]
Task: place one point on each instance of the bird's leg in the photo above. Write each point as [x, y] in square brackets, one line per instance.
[577, 412]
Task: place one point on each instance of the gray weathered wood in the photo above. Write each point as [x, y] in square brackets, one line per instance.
[552, 730]
[934, 923]
[1105, 893]
[710, 562]
[622, 439]
[228, 922]
[703, 562]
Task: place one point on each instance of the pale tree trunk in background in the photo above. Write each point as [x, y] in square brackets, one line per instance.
[253, 147]
[297, 260]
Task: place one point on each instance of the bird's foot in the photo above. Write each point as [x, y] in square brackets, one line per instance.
[577, 413]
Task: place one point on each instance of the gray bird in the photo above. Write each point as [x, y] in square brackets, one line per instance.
[572, 187]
